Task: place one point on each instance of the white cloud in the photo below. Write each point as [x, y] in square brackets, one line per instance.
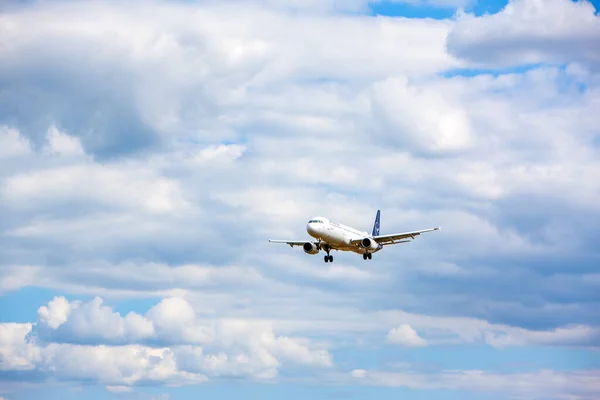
[119, 389]
[445, 330]
[259, 365]
[220, 153]
[14, 278]
[92, 321]
[261, 337]
[175, 320]
[96, 183]
[359, 373]
[321, 6]
[261, 354]
[12, 143]
[62, 144]
[423, 117]
[235, 347]
[15, 353]
[171, 321]
[56, 313]
[113, 366]
[528, 32]
[144, 279]
[405, 335]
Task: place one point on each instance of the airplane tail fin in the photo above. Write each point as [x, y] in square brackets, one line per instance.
[376, 224]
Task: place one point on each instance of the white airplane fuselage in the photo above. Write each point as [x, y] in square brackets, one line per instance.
[338, 235]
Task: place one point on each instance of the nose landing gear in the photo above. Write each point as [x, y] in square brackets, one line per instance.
[367, 255]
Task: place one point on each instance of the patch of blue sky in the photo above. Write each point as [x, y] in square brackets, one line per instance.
[21, 305]
[482, 7]
[429, 9]
[471, 72]
[483, 357]
[395, 9]
[596, 4]
[137, 305]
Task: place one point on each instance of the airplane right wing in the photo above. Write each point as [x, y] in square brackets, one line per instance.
[398, 237]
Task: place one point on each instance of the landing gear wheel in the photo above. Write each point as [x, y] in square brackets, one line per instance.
[326, 258]
[369, 255]
[365, 256]
[330, 258]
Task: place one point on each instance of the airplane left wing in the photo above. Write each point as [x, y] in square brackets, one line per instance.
[398, 237]
[292, 243]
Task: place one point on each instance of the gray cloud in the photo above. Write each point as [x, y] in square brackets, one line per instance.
[108, 71]
[529, 32]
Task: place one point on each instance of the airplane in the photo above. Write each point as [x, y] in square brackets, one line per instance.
[331, 235]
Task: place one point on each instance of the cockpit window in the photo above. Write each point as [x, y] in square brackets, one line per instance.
[315, 221]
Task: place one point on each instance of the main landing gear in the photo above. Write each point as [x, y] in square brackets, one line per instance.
[367, 255]
[328, 257]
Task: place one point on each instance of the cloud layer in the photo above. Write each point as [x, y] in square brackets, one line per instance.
[172, 344]
[167, 345]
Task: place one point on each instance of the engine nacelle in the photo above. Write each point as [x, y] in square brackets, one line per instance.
[310, 248]
[369, 244]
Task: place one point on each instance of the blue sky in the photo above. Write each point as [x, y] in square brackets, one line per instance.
[147, 153]
[433, 9]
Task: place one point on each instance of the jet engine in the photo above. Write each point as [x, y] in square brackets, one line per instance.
[310, 248]
[369, 244]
